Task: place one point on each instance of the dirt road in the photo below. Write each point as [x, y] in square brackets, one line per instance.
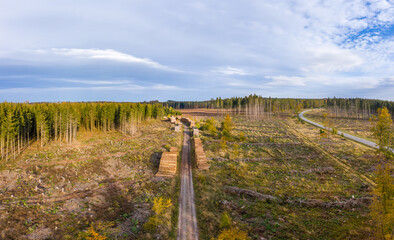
[187, 220]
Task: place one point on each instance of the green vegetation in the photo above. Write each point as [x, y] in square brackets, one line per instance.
[227, 126]
[210, 126]
[255, 107]
[383, 131]
[20, 123]
[299, 183]
[102, 185]
[161, 217]
[86, 171]
[382, 208]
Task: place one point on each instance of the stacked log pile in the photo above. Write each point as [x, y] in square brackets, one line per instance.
[168, 163]
[201, 158]
[196, 133]
[173, 120]
[189, 122]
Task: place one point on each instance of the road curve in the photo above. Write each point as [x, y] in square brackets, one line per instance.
[354, 138]
[187, 220]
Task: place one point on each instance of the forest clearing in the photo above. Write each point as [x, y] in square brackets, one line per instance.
[266, 175]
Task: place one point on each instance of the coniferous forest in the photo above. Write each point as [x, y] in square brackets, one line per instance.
[22, 123]
[257, 106]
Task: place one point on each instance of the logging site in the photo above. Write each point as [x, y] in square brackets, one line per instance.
[197, 120]
[237, 168]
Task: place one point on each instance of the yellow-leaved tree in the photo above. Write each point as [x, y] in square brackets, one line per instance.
[383, 131]
[160, 217]
[229, 230]
[227, 126]
[382, 207]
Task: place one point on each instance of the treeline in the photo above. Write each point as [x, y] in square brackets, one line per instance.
[255, 106]
[357, 108]
[22, 123]
[252, 106]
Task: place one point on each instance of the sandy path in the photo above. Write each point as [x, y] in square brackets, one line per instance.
[187, 220]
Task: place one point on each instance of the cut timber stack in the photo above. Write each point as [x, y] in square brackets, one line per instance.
[188, 121]
[201, 159]
[168, 163]
[173, 119]
[195, 132]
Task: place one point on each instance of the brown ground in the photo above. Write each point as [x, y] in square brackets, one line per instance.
[104, 180]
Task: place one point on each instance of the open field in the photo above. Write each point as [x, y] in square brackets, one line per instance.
[303, 186]
[104, 183]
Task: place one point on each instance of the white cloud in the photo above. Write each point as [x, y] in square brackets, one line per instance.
[230, 71]
[72, 55]
[350, 82]
[331, 59]
[304, 44]
[287, 80]
[90, 82]
[122, 88]
[107, 54]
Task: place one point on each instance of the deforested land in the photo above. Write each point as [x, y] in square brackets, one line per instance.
[242, 168]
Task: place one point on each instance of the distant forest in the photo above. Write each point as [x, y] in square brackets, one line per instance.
[257, 106]
[22, 123]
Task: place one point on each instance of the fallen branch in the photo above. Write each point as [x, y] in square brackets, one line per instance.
[249, 193]
[345, 204]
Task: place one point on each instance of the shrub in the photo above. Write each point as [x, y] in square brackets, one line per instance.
[223, 143]
[209, 125]
[227, 126]
[242, 137]
[160, 207]
[167, 147]
[225, 220]
[202, 179]
[236, 149]
[233, 234]
[95, 232]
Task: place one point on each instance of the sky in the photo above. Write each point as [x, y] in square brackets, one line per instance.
[138, 50]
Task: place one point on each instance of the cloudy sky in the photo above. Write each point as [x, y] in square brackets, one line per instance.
[136, 50]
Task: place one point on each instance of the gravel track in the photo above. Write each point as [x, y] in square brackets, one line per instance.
[187, 220]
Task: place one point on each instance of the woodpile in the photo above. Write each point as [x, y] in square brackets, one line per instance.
[189, 122]
[168, 163]
[201, 159]
[173, 119]
[196, 133]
